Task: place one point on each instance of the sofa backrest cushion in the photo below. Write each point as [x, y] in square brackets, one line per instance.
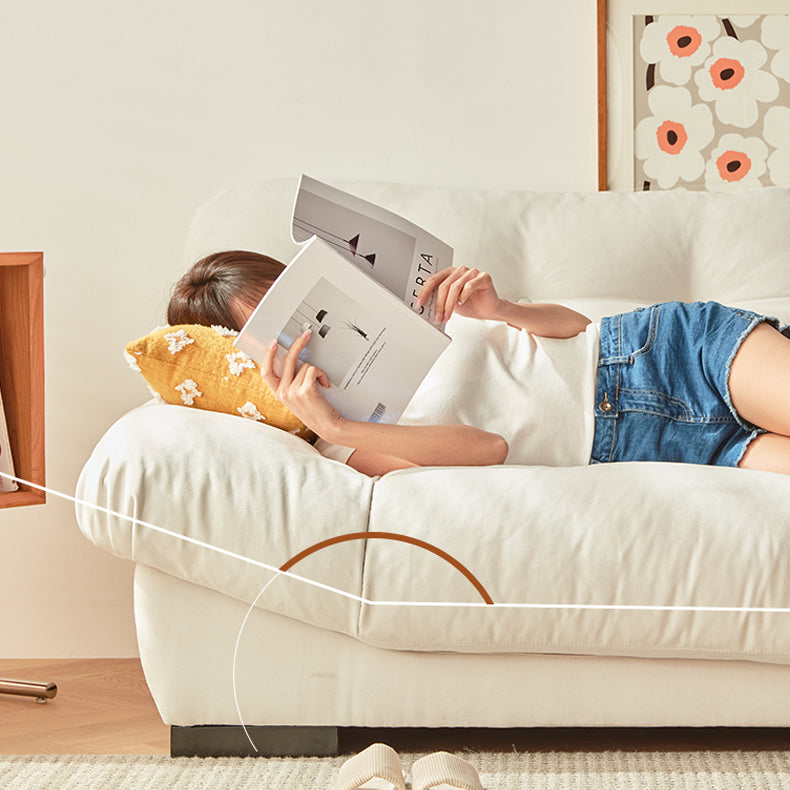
[634, 247]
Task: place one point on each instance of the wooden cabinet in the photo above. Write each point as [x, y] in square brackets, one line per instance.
[22, 370]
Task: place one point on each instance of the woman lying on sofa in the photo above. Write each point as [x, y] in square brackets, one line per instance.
[692, 383]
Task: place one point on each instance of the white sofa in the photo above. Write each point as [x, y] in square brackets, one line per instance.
[625, 594]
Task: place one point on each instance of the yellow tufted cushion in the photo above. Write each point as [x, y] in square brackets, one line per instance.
[198, 366]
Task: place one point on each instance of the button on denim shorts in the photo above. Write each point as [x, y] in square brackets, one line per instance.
[662, 391]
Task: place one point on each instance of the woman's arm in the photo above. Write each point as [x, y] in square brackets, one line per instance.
[377, 448]
[419, 445]
[544, 320]
[471, 293]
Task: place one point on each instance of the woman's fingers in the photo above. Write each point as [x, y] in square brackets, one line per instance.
[432, 286]
[461, 289]
[267, 366]
[454, 286]
[479, 281]
[480, 286]
[447, 285]
[291, 380]
[297, 389]
[288, 368]
[432, 283]
[292, 356]
[307, 377]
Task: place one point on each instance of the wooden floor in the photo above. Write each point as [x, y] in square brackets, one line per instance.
[102, 707]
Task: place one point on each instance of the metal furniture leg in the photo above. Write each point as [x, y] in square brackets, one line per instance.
[24, 688]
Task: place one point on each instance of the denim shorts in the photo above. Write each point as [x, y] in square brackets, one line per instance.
[662, 390]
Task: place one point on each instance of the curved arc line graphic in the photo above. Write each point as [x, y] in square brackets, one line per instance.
[390, 536]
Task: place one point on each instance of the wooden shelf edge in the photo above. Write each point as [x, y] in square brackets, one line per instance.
[22, 497]
[22, 371]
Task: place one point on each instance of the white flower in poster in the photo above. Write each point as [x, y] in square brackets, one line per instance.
[776, 35]
[776, 132]
[671, 139]
[743, 20]
[678, 44]
[734, 81]
[736, 164]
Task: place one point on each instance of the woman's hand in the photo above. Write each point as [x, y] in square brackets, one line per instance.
[298, 390]
[468, 292]
[471, 293]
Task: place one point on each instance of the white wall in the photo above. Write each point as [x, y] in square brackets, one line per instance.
[120, 119]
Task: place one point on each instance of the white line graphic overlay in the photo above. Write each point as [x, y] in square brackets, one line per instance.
[370, 602]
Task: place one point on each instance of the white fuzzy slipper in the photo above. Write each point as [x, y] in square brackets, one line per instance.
[444, 770]
[375, 768]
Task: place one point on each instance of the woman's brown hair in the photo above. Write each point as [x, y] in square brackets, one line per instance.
[211, 292]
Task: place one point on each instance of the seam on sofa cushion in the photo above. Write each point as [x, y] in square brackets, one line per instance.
[361, 591]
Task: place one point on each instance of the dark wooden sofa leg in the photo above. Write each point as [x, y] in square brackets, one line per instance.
[231, 741]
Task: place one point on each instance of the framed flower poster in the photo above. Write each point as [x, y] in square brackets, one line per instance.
[694, 94]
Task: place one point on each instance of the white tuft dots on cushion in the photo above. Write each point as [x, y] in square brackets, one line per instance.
[250, 411]
[239, 362]
[178, 340]
[189, 391]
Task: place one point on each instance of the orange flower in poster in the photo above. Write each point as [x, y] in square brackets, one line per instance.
[726, 74]
[678, 44]
[711, 101]
[671, 139]
[734, 81]
[684, 41]
[736, 163]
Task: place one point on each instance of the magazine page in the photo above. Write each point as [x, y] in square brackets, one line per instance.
[393, 251]
[374, 350]
[6, 461]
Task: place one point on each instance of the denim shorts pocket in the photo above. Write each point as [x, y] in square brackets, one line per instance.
[634, 333]
[653, 401]
[628, 336]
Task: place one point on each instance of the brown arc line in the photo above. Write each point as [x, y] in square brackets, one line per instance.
[390, 536]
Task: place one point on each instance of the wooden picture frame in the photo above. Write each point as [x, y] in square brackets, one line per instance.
[603, 139]
[615, 43]
[22, 371]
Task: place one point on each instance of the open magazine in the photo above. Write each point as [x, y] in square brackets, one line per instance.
[393, 251]
[354, 283]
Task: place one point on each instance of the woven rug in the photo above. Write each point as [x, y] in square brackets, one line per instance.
[725, 770]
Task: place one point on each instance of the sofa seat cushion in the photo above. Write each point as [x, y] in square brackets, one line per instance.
[636, 559]
[221, 501]
[575, 559]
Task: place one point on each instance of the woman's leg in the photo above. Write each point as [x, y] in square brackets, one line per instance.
[769, 452]
[760, 380]
[760, 391]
